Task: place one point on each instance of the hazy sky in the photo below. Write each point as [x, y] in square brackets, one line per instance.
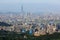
[30, 5]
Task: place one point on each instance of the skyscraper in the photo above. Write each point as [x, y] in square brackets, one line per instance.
[22, 9]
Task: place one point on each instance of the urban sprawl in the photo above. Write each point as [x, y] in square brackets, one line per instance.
[36, 24]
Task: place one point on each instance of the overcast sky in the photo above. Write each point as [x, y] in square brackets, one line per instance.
[30, 5]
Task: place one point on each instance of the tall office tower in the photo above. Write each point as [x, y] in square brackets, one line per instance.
[22, 11]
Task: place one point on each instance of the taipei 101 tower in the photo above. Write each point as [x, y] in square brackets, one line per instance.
[22, 11]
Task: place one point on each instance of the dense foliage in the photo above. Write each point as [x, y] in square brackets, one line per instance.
[4, 24]
[4, 35]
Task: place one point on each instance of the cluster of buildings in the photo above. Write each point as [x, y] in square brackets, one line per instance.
[34, 28]
[33, 23]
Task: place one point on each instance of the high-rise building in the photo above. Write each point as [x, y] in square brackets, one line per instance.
[22, 9]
